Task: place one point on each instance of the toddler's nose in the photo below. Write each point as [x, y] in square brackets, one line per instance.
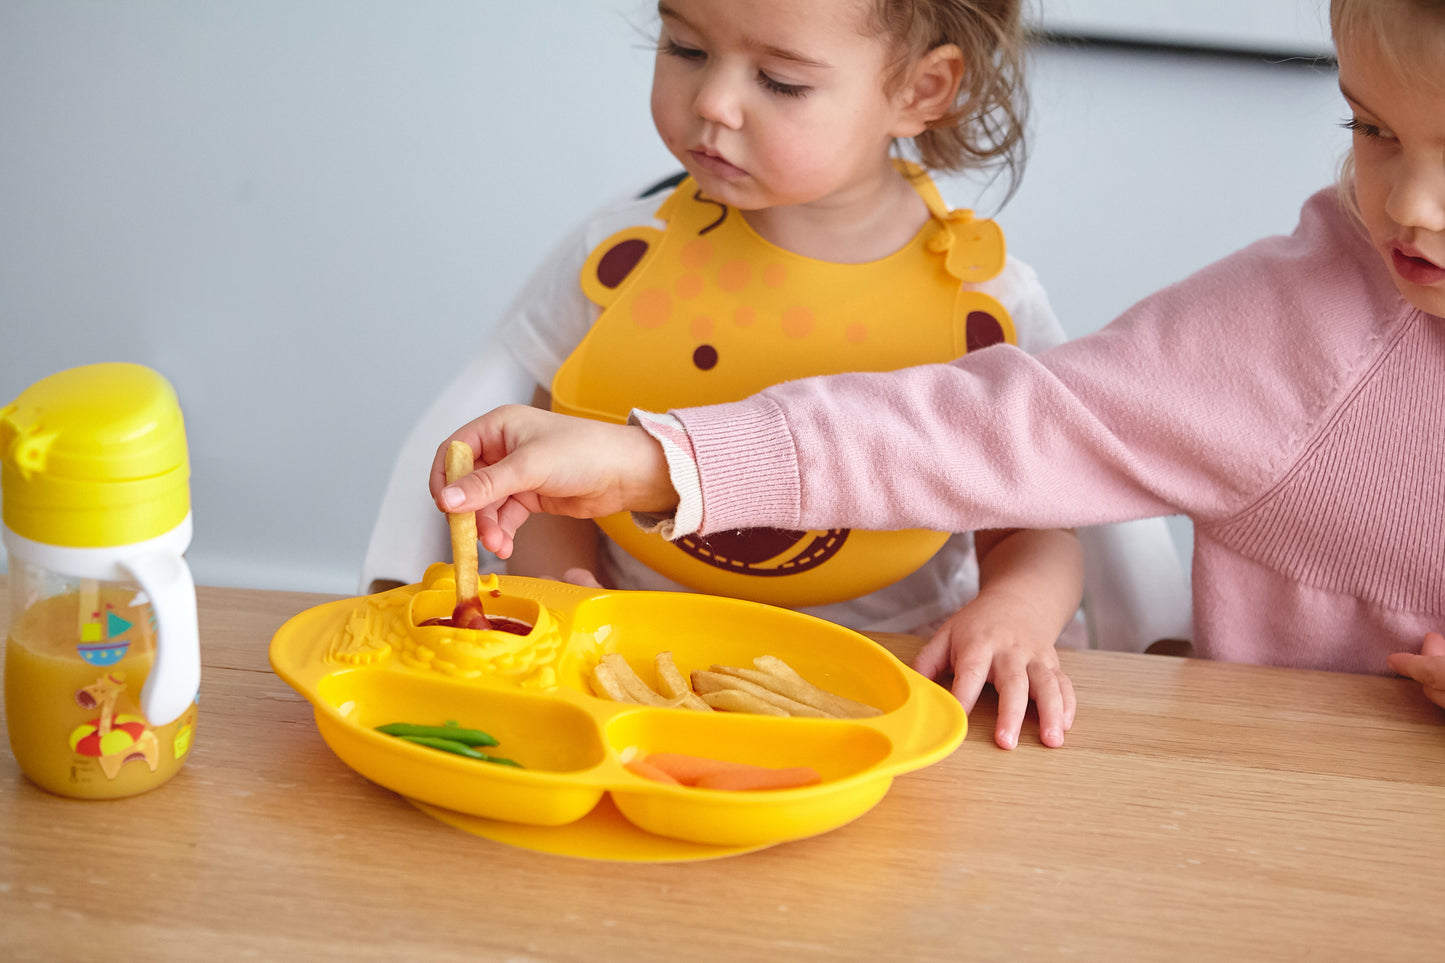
[717, 101]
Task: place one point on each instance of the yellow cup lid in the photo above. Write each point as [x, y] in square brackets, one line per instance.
[95, 456]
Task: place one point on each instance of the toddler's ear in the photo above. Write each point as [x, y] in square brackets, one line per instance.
[929, 90]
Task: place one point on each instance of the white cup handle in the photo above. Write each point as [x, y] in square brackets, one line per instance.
[175, 679]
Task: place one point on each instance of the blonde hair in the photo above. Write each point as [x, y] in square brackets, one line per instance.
[1405, 33]
[986, 126]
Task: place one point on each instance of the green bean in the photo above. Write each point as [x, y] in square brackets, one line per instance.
[460, 748]
[452, 731]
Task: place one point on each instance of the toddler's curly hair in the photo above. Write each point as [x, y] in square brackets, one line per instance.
[986, 127]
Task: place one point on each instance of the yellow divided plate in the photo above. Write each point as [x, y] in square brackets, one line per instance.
[367, 662]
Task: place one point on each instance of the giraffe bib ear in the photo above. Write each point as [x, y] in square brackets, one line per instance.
[616, 259]
[975, 247]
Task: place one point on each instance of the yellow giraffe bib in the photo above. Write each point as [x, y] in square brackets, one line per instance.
[706, 311]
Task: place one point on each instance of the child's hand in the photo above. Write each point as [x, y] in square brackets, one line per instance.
[582, 577]
[1427, 668]
[985, 642]
[538, 461]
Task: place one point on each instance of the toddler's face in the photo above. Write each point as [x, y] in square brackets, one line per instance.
[1399, 151]
[773, 102]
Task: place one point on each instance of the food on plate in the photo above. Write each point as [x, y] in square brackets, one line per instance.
[776, 675]
[448, 738]
[736, 700]
[613, 678]
[770, 688]
[672, 685]
[703, 772]
[468, 613]
[639, 766]
[605, 684]
[706, 683]
[470, 737]
[464, 616]
[637, 690]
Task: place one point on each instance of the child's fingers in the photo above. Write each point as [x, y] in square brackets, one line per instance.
[1012, 684]
[969, 676]
[495, 537]
[932, 659]
[1049, 697]
[1071, 702]
[582, 577]
[1428, 670]
[1434, 644]
[485, 486]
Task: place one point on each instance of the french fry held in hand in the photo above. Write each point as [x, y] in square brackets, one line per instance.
[463, 525]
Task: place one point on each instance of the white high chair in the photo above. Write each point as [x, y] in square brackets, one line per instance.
[1135, 589]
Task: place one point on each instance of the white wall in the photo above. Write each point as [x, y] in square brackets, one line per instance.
[306, 213]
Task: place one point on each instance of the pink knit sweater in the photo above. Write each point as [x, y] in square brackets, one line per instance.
[1287, 399]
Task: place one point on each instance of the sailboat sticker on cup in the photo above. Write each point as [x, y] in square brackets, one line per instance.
[101, 639]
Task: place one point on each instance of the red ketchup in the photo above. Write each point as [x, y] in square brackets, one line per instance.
[469, 615]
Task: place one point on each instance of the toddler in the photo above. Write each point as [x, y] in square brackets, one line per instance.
[1288, 399]
[785, 115]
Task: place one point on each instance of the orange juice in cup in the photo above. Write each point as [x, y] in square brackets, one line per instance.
[102, 661]
[75, 664]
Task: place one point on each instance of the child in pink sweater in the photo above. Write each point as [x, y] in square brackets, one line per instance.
[1287, 399]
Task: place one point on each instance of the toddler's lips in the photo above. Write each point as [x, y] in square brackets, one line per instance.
[714, 164]
[1416, 270]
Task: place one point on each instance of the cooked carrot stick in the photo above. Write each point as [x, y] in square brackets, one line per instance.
[756, 777]
[708, 773]
[687, 769]
[641, 767]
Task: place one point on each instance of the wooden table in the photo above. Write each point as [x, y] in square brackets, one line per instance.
[1198, 811]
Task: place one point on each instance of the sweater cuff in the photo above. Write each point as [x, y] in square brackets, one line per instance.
[747, 465]
[681, 468]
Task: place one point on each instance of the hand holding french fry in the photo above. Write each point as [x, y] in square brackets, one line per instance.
[529, 460]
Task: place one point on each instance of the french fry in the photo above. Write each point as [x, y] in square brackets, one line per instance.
[704, 682]
[794, 686]
[635, 688]
[673, 686]
[463, 525]
[736, 700]
[605, 684]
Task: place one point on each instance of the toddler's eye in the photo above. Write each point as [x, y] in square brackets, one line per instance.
[780, 88]
[674, 49]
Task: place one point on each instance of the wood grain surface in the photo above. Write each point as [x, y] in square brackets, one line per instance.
[1198, 811]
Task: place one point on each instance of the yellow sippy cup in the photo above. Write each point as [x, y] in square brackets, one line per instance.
[102, 662]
